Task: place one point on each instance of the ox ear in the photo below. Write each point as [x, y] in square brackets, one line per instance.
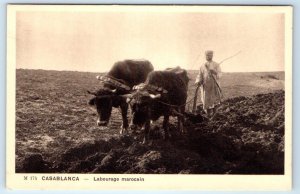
[99, 77]
[128, 97]
[92, 93]
[153, 96]
[128, 100]
[92, 101]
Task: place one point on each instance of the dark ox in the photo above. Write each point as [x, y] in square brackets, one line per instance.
[164, 93]
[117, 82]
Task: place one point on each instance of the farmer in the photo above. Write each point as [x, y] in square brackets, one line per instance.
[208, 79]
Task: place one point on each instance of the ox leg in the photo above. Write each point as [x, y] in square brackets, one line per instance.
[166, 127]
[180, 119]
[180, 124]
[146, 132]
[124, 109]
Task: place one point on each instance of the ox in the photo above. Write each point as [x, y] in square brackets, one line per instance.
[164, 93]
[116, 83]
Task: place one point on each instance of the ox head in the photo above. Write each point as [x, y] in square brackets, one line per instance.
[105, 97]
[141, 101]
[102, 101]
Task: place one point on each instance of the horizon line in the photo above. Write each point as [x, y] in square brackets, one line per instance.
[154, 70]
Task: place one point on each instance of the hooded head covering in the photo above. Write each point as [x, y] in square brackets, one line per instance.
[209, 52]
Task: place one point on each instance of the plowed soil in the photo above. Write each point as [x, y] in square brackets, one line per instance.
[56, 130]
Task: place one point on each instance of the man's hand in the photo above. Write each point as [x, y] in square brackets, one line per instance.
[197, 83]
[213, 72]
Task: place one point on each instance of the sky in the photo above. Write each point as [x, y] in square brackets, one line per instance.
[93, 41]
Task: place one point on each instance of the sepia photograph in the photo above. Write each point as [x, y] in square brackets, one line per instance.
[119, 93]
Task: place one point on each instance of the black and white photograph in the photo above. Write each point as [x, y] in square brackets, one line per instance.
[111, 90]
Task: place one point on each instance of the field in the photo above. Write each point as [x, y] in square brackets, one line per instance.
[56, 130]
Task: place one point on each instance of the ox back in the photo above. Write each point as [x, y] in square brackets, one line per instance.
[131, 72]
[182, 74]
[175, 85]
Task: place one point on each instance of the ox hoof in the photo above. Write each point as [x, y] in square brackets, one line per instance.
[133, 127]
[123, 131]
[150, 143]
[144, 141]
[183, 131]
[166, 136]
[147, 142]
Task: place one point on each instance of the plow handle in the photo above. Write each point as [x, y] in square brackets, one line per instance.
[195, 99]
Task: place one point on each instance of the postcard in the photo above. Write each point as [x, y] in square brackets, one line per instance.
[161, 97]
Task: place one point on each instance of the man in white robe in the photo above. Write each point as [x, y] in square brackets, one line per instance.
[208, 79]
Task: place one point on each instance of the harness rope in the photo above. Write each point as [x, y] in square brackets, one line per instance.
[177, 106]
[114, 81]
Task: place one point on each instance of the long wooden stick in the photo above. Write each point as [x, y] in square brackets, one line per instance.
[230, 57]
[218, 86]
[195, 99]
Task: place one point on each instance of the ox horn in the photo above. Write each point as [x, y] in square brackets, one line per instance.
[92, 93]
[153, 96]
[113, 82]
[114, 90]
[139, 87]
[127, 96]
